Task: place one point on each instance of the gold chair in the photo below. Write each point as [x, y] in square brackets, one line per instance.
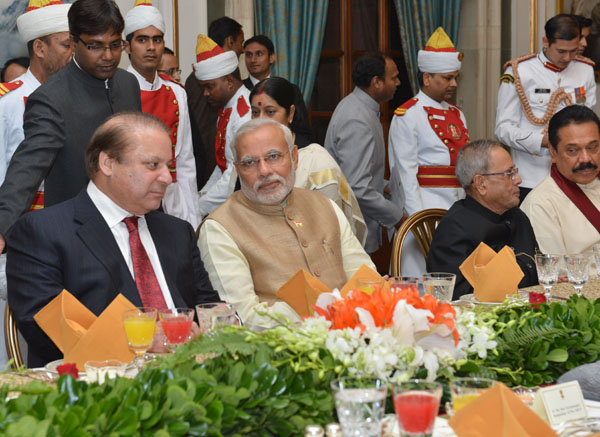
[11, 338]
[423, 225]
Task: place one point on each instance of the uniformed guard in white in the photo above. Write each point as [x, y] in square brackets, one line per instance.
[426, 135]
[533, 88]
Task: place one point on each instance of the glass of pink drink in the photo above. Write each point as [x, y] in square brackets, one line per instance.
[416, 403]
[177, 325]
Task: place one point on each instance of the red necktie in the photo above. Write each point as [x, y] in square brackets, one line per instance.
[145, 279]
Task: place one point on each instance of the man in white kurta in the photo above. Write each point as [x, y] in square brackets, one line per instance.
[426, 134]
[218, 72]
[564, 208]
[268, 231]
[533, 88]
[167, 100]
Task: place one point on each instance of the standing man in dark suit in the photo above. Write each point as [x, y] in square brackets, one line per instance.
[62, 114]
[108, 239]
[259, 55]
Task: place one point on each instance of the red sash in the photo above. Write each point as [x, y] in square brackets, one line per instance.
[163, 104]
[577, 196]
[449, 128]
[220, 139]
[438, 176]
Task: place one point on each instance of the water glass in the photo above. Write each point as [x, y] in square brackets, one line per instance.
[360, 404]
[398, 283]
[417, 403]
[177, 325]
[211, 315]
[578, 270]
[465, 390]
[439, 285]
[369, 285]
[100, 371]
[547, 266]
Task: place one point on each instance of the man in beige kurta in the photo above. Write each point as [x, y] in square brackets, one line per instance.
[564, 209]
[262, 235]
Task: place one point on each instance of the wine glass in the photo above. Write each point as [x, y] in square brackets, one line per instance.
[177, 325]
[547, 266]
[578, 270]
[140, 324]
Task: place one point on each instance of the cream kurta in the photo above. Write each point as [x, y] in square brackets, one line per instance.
[559, 226]
[230, 273]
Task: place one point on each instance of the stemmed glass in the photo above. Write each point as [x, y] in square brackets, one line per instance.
[547, 266]
[578, 270]
[140, 324]
[177, 325]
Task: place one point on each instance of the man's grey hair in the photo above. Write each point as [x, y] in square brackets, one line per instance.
[255, 124]
[474, 159]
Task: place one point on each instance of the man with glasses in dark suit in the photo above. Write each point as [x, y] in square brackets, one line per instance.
[62, 114]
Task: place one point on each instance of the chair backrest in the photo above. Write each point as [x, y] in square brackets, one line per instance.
[11, 338]
[422, 224]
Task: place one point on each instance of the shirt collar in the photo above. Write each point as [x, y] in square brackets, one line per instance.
[234, 98]
[255, 80]
[29, 77]
[144, 84]
[428, 101]
[112, 213]
[369, 101]
[549, 65]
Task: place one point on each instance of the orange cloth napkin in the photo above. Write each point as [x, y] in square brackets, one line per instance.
[498, 412]
[80, 335]
[492, 275]
[302, 290]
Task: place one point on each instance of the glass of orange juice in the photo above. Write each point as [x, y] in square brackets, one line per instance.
[465, 390]
[140, 324]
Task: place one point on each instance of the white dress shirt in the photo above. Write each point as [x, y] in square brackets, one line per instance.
[113, 215]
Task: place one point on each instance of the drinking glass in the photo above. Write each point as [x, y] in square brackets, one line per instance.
[398, 283]
[416, 403]
[547, 266]
[177, 325]
[369, 285]
[596, 249]
[140, 324]
[439, 285]
[578, 270]
[360, 404]
[211, 315]
[465, 390]
[100, 371]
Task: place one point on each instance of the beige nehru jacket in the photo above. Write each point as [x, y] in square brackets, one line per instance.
[251, 250]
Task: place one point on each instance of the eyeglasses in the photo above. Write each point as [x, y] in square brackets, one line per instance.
[513, 172]
[170, 72]
[272, 159]
[98, 48]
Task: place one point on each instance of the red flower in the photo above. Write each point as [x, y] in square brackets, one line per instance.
[536, 298]
[69, 369]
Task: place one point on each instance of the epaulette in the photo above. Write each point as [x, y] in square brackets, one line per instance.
[507, 78]
[401, 110]
[242, 106]
[7, 87]
[584, 60]
[168, 79]
[517, 60]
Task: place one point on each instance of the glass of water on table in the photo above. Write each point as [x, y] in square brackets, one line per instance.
[440, 285]
[360, 404]
[547, 266]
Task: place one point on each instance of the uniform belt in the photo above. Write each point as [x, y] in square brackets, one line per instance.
[439, 176]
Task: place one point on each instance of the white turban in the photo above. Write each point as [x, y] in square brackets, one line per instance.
[216, 66]
[43, 21]
[142, 16]
[438, 62]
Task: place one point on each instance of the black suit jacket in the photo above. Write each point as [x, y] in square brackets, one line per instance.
[70, 246]
[300, 126]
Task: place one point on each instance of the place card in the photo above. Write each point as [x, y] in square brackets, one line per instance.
[559, 403]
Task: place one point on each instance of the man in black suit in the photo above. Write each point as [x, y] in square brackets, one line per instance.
[86, 244]
[63, 113]
[259, 55]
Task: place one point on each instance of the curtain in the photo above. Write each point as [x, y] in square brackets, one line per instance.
[296, 28]
[417, 20]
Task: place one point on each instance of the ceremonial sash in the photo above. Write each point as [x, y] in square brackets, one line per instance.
[449, 128]
[577, 196]
[220, 139]
[438, 176]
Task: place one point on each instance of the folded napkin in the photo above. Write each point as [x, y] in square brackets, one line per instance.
[80, 335]
[302, 290]
[492, 275]
[498, 412]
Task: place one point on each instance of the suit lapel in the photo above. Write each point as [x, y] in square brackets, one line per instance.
[161, 236]
[97, 237]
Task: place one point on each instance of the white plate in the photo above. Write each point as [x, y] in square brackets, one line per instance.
[130, 371]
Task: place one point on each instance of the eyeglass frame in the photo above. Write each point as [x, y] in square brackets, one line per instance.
[170, 71]
[93, 48]
[244, 166]
[513, 172]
